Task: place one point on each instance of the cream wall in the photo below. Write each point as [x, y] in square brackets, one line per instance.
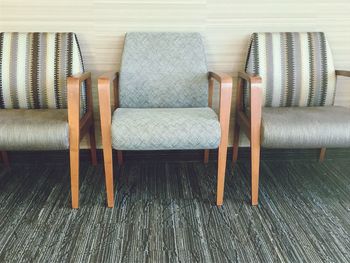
[225, 24]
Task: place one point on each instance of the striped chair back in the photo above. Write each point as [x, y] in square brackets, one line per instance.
[296, 69]
[34, 68]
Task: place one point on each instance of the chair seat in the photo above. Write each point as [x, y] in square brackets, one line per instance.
[305, 127]
[165, 129]
[34, 129]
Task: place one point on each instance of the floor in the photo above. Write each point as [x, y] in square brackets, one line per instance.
[165, 212]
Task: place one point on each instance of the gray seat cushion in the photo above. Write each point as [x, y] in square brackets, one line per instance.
[165, 128]
[305, 127]
[34, 129]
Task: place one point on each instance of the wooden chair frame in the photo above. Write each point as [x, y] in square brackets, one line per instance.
[251, 125]
[104, 83]
[78, 127]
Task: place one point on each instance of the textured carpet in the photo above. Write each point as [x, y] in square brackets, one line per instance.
[165, 212]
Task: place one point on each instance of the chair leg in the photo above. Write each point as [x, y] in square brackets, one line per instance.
[322, 154]
[221, 173]
[235, 143]
[5, 159]
[108, 164]
[255, 163]
[93, 145]
[74, 172]
[120, 157]
[206, 156]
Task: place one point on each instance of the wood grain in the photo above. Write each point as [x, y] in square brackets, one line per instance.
[104, 86]
[225, 89]
[78, 127]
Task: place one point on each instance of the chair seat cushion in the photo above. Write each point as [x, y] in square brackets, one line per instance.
[305, 127]
[34, 129]
[165, 128]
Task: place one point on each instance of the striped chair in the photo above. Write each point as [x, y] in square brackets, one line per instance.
[162, 101]
[45, 97]
[286, 97]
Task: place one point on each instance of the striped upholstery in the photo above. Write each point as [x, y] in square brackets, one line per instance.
[34, 69]
[296, 69]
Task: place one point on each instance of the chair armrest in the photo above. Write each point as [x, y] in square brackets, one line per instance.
[78, 123]
[81, 76]
[249, 121]
[106, 79]
[221, 77]
[255, 92]
[344, 73]
[73, 95]
[109, 76]
[225, 82]
[104, 95]
[250, 78]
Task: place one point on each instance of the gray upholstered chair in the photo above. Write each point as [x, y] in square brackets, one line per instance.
[45, 97]
[288, 99]
[162, 101]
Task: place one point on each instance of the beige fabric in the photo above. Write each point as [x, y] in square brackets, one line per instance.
[34, 129]
[305, 127]
[34, 70]
[296, 69]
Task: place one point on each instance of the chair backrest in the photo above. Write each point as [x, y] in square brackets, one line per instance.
[166, 70]
[296, 69]
[34, 69]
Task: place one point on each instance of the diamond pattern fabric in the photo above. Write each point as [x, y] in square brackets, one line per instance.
[165, 129]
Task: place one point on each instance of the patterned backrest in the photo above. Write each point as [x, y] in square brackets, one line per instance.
[34, 69]
[163, 70]
[296, 69]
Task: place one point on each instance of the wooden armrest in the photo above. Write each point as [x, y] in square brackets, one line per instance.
[79, 77]
[225, 81]
[225, 96]
[255, 100]
[104, 82]
[78, 125]
[344, 73]
[255, 92]
[109, 76]
[249, 77]
[73, 93]
[221, 77]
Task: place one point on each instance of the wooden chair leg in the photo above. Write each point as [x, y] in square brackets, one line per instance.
[74, 172]
[255, 163]
[93, 145]
[206, 156]
[221, 173]
[108, 164]
[5, 159]
[235, 143]
[322, 154]
[120, 157]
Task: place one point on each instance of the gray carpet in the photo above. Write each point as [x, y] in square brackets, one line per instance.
[165, 212]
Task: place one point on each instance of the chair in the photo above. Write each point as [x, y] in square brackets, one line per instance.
[162, 101]
[45, 97]
[286, 97]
